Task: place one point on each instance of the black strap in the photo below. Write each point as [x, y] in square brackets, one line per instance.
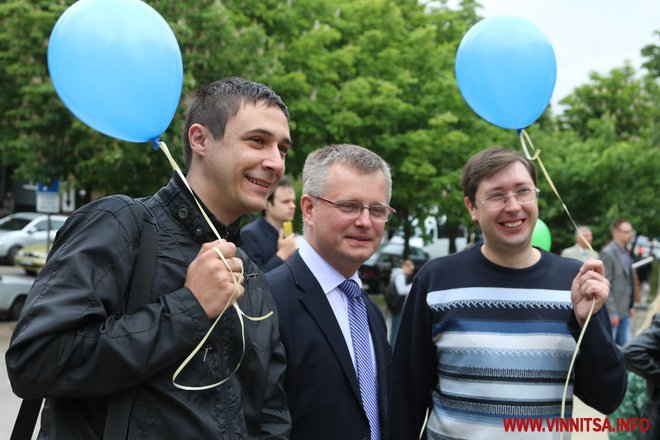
[26, 419]
[119, 407]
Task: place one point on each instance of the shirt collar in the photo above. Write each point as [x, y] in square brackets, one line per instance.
[326, 275]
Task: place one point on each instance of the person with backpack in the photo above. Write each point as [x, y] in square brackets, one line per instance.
[77, 346]
[396, 293]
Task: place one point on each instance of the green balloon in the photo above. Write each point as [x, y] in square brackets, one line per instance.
[541, 236]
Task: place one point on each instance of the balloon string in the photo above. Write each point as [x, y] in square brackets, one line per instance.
[239, 312]
[570, 368]
[524, 139]
[424, 423]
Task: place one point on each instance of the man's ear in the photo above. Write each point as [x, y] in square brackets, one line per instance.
[197, 136]
[307, 208]
[469, 204]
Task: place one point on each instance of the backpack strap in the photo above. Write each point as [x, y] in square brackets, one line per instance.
[120, 405]
[26, 419]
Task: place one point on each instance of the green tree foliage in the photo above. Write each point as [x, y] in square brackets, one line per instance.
[39, 135]
[378, 73]
[652, 54]
[604, 156]
[620, 98]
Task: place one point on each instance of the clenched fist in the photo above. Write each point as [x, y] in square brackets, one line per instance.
[211, 281]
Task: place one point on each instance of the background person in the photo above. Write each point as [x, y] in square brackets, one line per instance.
[581, 249]
[8, 205]
[619, 272]
[263, 239]
[73, 344]
[334, 336]
[642, 355]
[641, 399]
[488, 333]
[401, 280]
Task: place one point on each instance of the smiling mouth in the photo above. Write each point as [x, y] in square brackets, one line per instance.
[513, 224]
[362, 240]
[262, 183]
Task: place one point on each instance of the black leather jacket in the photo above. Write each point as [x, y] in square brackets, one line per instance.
[642, 355]
[73, 345]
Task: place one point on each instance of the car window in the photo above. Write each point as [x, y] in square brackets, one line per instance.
[41, 226]
[418, 252]
[14, 224]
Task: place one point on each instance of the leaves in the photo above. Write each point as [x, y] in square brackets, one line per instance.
[378, 73]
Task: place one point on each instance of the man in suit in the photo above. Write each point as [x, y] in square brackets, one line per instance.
[619, 272]
[263, 239]
[581, 250]
[338, 357]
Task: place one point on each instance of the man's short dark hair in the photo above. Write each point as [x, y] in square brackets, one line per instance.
[616, 224]
[488, 163]
[285, 182]
[214, 104]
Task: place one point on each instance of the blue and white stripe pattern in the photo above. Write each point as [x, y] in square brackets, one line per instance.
[503, 352]
[359, 323]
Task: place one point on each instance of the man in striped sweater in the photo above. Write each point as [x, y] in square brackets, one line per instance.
[488, 334]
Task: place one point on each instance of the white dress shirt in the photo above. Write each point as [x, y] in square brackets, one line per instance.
[329, 279]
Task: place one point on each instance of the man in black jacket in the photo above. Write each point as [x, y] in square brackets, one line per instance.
[74, 345]
[642, 355]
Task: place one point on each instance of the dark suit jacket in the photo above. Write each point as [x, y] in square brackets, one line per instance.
[321, 382]
[260, 243]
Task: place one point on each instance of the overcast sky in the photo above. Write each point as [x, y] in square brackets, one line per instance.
[586, 35]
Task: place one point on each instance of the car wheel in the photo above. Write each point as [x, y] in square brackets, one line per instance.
[11, 254]
[16, 308]
[31, 272]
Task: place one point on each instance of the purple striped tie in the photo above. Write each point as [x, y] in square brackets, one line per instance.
[357, 318]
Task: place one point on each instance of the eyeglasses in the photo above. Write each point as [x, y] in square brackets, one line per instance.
[377, 213]
[499, 200]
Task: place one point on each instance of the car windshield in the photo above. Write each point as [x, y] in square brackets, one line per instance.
[392, 249]
[14, 224]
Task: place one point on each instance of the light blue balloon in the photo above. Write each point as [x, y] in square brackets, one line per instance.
[117, 66]
[506, 70]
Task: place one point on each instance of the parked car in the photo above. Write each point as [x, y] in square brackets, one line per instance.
[375, 272]
[24, 228]
[32, 258]
[13, 292]
[645, 246]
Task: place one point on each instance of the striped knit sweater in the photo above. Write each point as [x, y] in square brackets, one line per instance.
[480, 343]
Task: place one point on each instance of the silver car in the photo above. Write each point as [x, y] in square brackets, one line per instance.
[13, 291]
[23, 228]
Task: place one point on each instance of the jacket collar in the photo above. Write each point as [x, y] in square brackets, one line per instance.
[176, 198]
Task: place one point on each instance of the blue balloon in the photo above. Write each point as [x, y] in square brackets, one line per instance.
[117, 66]
[506, 70]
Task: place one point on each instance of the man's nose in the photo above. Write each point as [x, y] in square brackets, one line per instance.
[511, 202]
[274, 159]
[364, 217]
